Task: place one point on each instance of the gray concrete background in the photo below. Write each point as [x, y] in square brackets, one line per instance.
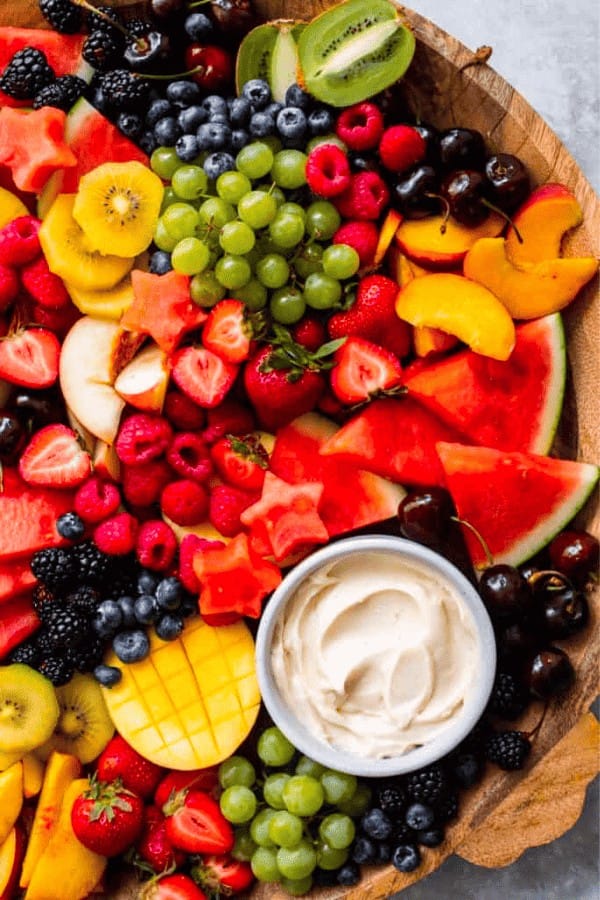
[550, 52]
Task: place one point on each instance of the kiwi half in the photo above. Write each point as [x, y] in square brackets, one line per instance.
[270, 52]
[28, 709]
[354, 50]
[84, 726]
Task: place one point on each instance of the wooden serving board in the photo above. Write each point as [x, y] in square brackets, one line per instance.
[545, 799]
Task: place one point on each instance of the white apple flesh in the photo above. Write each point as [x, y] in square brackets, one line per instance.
[143, 382]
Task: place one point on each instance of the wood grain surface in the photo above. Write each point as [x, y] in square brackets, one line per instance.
[565, 754]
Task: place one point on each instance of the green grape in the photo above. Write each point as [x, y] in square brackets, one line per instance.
[341, 261]
[264, 864]
[274, 748]
[236, 770]
[330, 858]
[273, 142]
[337, 830]
[205, 289]
[308, 766]
[287, 305]
[237, 237]
[297, 887]
[303, 795]
[231, 186]
[254, 295]
[162, 238]
[259, 828]
[180, 220]
[275, 192]
[238, 804]
[244, 846]
[338, 786]
[215, 211]
[257, 209]
[165, 162]
[293, 208]
[325, 139]
[322, 220]
[321, 291]
[233, 271]
[289, 169]
[273, 789]
[190, 256]
[309, 260]
[285, 829]
[189, 182]
[297, 862]
[169, 196]
[254, 160]
[273, 270]
[358, 803]
[286, 230]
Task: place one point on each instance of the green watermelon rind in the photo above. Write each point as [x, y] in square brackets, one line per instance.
[555, 391]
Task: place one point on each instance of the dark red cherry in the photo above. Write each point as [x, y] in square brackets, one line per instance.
[417, 192]
[13, 437]
[550, 673]
[505, 592]
[564, 611]
[425, 516]
[462, 148]
[516, 642]
[508, 181]
[214, 65]
[465, 192]
[144, 53]
[576, 554]
[431, 136]
[233, 15]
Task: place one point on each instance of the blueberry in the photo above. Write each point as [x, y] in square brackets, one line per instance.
[239, 139]
[107, 676]
[160, 262]
[467, 769]
[376, 824]
[273, 109]
[127, 608]
[131, 646]
[217, 163]
[109, 616]
[419, 816]
[130, 124]
[384, 853]
[169, 592]
[166, 131]
[147, 582]
[148, 142]
[189, 606]
[169, 627]
[187, 148]
[291, 122]
[406, 858]
[70, 526]
[213, 136]
[215, 104]
[431, 838]
[257, 92]
[295, 96]
[198, 27]
[240, 110]
[183, 93]
[348, 875]
[146, 609]
[364, 851]
[159, 109]
[190, 119]
[320, 121]
[261, 125]
[219, 118]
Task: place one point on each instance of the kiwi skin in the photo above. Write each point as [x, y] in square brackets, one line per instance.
[28, 708]
[83, 727]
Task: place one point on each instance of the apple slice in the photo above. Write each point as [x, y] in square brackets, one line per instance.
[548, 213]
[143, 382]
[443, 243]
[105, 461]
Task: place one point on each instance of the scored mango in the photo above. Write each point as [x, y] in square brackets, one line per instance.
[191, 702]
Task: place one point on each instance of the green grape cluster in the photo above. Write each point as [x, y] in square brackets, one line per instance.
[242, 236]
[296, 819]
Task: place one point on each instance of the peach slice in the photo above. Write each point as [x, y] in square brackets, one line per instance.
[386, 235]
[143, 382]
[543, 288]
[33, 775]
[11, 798]
[427, 340]
[548, 213]
[460, 307]
[11, 857]
[426, 241]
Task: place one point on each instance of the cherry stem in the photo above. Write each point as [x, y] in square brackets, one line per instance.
[549, 573]
[534, 731]
[473, 530]
[172, 75]
[501, 212]
[84, 4]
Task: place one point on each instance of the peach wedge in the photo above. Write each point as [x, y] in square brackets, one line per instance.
[462, 308]
[540, 289]
[439, 243]
[548, 213]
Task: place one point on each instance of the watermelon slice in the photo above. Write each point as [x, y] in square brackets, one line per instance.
[16, 577]
[63, 52]
[29, 516]
[352, 498]
[513, 405]
[516, 501]
[395, 439]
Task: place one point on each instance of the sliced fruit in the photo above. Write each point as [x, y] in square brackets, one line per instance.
[348, 54]
[32, 513]
[203, 376]
[69, 254]
[387, 231]
[63, 52]
[428, 341]
[55, 458]
[106, 462]
[528, 498]
[9, 759]
[84, 727]
[29, 357]
[28, 708]
[11, 798]
[439, 242]
[110, 304]
[543, 219]
[11, 207]
[174, 717]
[33, 775]
[16, 578]
[32, 145]
[511, 405]
[162, 307]
[143, 382]
[362, 370]
[11, 857]
[18, 621]
[117, 206]
[270, 52]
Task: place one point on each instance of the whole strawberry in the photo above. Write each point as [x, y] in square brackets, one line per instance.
[120, 760]
[154, 846]
[373, 316]
[107, 818]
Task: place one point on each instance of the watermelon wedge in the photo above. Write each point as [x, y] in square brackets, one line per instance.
[516, 501]
[29, 516]
[513, 405]
[16, 577]
[352, 498]
[63, 52]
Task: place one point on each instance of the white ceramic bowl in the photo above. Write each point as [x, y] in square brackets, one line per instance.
[290, 721]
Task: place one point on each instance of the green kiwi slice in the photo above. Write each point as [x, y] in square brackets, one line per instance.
[354, 50]
[28, 708]
[270, 52]
[84, 726]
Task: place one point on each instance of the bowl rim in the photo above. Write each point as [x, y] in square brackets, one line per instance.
[296, 731]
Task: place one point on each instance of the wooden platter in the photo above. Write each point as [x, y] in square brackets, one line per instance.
[447, 89]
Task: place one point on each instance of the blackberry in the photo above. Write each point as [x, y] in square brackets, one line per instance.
[447, 808]
[508, 749]
[85, 659]
[62, 15]
[27, 653]
[26, 74]
[55, 567]
[62, 94]
[67, 629]
[41, 598]
[138, 27]
[110, 24]
[125, 91]
[392, 800]
[427, 785]
[85, 599]
[124, 580]
[102, 50]
[509, 697]
[58, 670]
[94, 567]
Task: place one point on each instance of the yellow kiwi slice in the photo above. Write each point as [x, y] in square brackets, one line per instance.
[70, 255]
[117, 206]
[109, 304]
[28, 709]
[84, 727]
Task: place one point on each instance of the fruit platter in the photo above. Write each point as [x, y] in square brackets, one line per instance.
[278, 281]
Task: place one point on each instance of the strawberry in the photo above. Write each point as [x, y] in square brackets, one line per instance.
[196, 824]
[373, 316]
[230, 417]
[172, 887]
[241, 461]
[223, 874]
[363, 370]
[106, 818]
[203, 376]
[29, 357]
[227, 331]
[9, 286]
[310, 332]
[201, 779]
[120, 760]
[154, 846]
[55, 458]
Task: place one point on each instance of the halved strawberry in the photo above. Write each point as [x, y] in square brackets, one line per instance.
[241, 461]
[227, 332]
[363, 370]
[55, 458]
[202, 375]
[29, 357]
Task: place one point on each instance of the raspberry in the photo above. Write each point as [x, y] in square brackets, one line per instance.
[96, 500]
[19, 242]
[401, 146]
[57, 320]
[360, 126]
[183, 413]
[185, 502]
[116, 536]
[363, 236]
[143, 437]
[188, 548]
[365, 198]
[27, 73]
[143, 485]
[156, 545]
[327, 170]
[46, 288]
[189, 456]
[229, 417]
[226, 505]
[9, 286]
